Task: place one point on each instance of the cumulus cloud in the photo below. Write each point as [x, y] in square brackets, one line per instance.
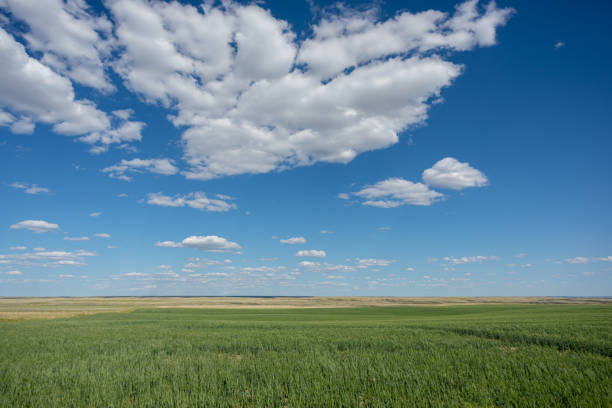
[452, 174]
[95, 214]
[102, 235]
[293, 240]
[71, 40]
[157, 166]
[251, 96]
[312, 253]
[33, 92]
[36, 226]
[469, 259]
[30, 188]
[325, 267]
[210, 243]
[583, 259]
[395, 192]
[46, 259]
[197, 200]
[366, 263]
[76, 238]
[255, 99]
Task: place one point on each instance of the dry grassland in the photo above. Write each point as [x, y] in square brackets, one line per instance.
[28, 308]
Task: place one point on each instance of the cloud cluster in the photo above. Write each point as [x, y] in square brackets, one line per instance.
[325, 267]
[252, 96]
[157, 166]
[582, 259]
[469, 259]
[210, 243]
[366, 263]
[197, 200]
[447, 173]
[30, 189]
[46, 259]
[34, 92]
[394, 192]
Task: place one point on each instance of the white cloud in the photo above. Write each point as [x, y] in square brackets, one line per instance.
[197, 263]
[210, 243]
[124, 131]
[559, 44]
[15, 272]
[252, 96]
[133, 274]
[95, 214]
[18, 248]
[452, 174]
[577, 260]
[157, 166]
[520, 255]
[76, 238]
[35, 93]
[293, 240]
[325, 267]
[469, 259]
[255, 99]
[66, 276]
[73, 42]
[343, 196]
[197, 200]
[36, 226]
[46, 259]
[265, 269]
[30, 189]
[583, 259]
[102, 235]
[366, 263]
[312, 253]
[395, 192]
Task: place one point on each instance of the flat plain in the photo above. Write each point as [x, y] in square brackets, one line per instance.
[183, 352]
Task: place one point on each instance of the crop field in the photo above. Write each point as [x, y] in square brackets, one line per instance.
[487, 355]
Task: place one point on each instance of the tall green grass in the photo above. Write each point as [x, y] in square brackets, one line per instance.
[465, 356]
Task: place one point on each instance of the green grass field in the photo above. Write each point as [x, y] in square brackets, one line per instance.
[451, 356]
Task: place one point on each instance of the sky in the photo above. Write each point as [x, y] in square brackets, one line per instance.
[422, 148]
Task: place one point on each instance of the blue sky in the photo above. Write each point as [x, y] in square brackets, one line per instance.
[305, 148]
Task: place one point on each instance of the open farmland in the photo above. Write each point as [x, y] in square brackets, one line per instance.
[528, 355]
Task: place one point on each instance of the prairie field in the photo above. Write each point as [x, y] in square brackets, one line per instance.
[455, 355]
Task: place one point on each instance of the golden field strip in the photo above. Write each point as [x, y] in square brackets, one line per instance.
[27, 308]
